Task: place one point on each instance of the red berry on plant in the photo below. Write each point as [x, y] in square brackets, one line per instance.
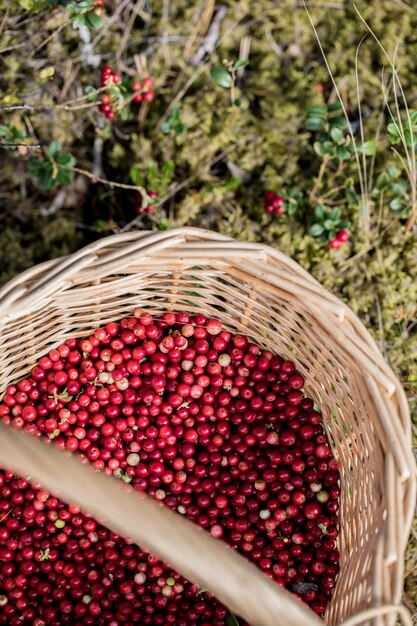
[147, 82]
[343, 235]
[136, 86]
[148, 96]
[138, 97]
[335, 243]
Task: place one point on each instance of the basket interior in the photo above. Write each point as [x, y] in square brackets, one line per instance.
[275, 320]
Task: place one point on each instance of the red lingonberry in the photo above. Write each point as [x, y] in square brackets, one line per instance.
[147, 82]
[335, 243]
[343, 235]
[148, 96]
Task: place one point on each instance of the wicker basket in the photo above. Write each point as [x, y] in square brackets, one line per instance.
[258, 291]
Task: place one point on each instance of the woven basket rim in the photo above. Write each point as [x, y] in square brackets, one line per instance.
[25, 292]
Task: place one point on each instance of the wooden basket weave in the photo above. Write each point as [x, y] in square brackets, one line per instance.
[260, 292]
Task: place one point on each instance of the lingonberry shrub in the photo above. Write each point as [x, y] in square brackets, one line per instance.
[328, 225]
[204, 421]
[86, 13]
[51, 168]
[151, 178]
[119, 93]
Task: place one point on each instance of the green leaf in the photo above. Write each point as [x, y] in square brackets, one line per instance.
[342, 153]
[336, 134]
[231, 620]
[166, 127]
[314, 123]
[93, 20]
[382, 181]
[335, 106]
[319, 211]
[328, 224]
[396, 204]
[316, 110]
[351, 196]
[240, 63]
[368, 148]
[65, 159]
[35, 165]
[394, 133]
[400, 187]
[316, 230]
[334, 214]
[328, 148]
[54, 148]
[221, 76]
[64, 178]
[45, 180]
[78, 21]
[393, 171]
[338, 122]
[319, 148]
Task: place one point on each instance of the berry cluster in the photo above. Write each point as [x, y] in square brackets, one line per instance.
[98, 7]
[202, 420]
[143, 90]
[339, 240]
[108, 105]
[140, 209]
[273, 203]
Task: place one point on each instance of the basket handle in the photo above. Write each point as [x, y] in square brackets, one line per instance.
[208, 562]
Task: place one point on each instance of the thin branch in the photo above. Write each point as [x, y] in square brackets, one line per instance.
[104, 181]
[16, 107]
[30, 146]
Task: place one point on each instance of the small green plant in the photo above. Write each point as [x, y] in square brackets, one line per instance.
[154, 178]
[53, 168]
[390, 186]
[334, 140]
[404, 131]
[327, 223]
[225, 76]
[11, 135]
[86, 13]
[173, 123]
[294, 202]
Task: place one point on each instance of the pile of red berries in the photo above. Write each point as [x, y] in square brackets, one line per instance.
[140, 209]
[107, 104]
[143, 90]
[202, 420]
[339, 240]
[273, 203]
